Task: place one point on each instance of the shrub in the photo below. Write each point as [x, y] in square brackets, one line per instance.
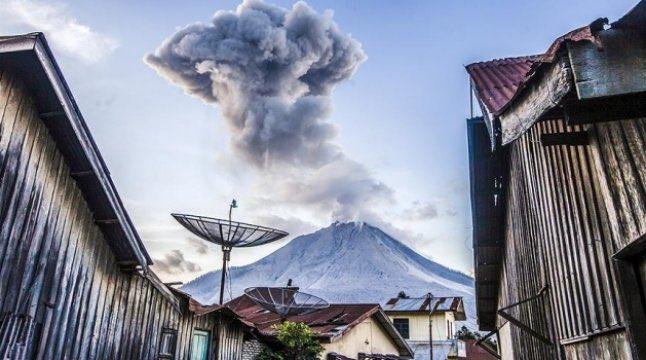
[297, 343]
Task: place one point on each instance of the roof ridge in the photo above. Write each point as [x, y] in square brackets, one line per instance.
[497, 61]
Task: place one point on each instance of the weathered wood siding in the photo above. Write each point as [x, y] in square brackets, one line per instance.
[62, 294]
[621, 151]
[230, 340]
[569, 208]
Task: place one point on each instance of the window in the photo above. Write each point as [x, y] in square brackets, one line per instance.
[402, 327]
[167, 344]
[200, 345]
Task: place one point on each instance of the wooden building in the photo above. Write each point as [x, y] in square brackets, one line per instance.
[558, 195]
[75, 281]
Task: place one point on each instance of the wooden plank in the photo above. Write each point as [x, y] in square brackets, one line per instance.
[537, 228]
[565, 138]
[72, 279]
[545, 91]
[618, 68]
[536, 174]
[578, 234]
[12, 181]
[93, 301]
[33, 232]
[555, 215]
[606, 109]
[608, 227]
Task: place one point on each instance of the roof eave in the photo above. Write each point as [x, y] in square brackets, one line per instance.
[404, 349]
[36, 45]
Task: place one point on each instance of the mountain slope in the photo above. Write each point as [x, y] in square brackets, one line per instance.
[349, 262]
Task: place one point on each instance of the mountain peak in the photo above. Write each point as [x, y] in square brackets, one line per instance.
[344, 262]
[352, 223]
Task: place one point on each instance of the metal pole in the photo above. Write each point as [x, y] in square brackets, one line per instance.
[226, 251]
[225, 258]
[430, 326]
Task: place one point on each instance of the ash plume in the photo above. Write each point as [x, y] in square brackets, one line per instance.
[271, 71]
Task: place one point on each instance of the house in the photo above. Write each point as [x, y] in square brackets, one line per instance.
[558, 195]
[413, 319]
[75, 278]
[345, 330]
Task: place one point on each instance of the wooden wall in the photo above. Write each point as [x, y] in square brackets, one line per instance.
[620, 150]
[62, 294]
[569, 208]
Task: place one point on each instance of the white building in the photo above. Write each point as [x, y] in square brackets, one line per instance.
[413, 319]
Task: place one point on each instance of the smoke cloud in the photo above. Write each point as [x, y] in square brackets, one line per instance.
[271, 71]
[174, 262]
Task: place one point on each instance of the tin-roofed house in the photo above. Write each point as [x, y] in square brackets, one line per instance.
[75, 281]
[425, 320]
[350, 331]
[558, 195]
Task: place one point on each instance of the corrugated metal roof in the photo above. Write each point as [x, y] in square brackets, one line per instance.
[496, 81]
[499, 81]
[325, 323]
[328, 324]
[421, 304]
[488, 219]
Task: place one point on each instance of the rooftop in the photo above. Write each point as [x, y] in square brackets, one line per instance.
[30, 56]
[328, 324]
[421, 304]
[496, 81]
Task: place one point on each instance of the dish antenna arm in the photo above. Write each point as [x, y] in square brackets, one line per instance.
[226, 254]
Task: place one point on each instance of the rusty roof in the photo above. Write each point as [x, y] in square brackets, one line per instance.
[496, 81]
[328, 324]
[488, 216]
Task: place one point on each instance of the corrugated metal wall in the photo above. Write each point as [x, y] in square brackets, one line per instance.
[560, 232]
[61, 292]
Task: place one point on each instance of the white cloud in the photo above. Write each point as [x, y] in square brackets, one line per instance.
[63, 31]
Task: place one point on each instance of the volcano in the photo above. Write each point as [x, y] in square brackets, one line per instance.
[344, 262]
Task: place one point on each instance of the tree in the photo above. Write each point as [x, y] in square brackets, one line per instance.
[297, 343]
[465, 334]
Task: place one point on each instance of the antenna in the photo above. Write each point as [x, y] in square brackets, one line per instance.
[286, 301]
[228, 234]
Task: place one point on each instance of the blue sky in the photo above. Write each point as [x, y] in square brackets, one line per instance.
[402, 114]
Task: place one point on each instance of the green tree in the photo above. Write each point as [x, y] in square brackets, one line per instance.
[465, 334]
[297, 343]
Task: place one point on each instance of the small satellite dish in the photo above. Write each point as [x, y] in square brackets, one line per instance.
[286, 301]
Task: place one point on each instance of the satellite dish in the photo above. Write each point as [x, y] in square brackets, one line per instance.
[228, 234]
[286, 301]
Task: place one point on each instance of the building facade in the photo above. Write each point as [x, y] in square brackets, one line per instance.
[425, 319]
[349, 331]
[75, 281]
[558, 195]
